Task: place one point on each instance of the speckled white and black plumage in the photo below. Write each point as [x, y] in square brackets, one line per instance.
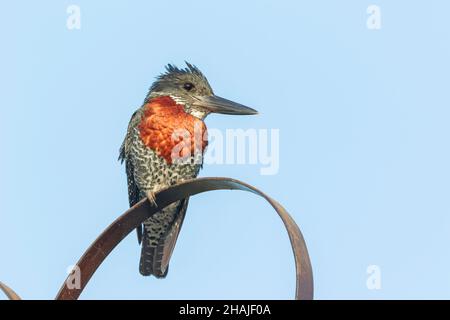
[178, 99]
[149, 172]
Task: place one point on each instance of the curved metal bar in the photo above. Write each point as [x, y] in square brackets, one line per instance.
[9, 292]
[133, 217]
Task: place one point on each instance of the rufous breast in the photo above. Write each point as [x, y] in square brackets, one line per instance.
[171, 132]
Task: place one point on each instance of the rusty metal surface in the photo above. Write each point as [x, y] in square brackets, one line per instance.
[127, 222]
[9, 292]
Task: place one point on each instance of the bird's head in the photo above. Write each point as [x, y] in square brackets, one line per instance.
[190, 88]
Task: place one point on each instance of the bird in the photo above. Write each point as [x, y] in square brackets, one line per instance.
[164, 145]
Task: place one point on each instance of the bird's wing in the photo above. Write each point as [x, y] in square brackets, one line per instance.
[133, 190]
[167, 242]
[133, 193]
[124, 148]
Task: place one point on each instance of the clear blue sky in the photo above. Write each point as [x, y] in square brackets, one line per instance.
[364, 144]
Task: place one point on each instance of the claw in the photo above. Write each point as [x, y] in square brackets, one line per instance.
[151, 198]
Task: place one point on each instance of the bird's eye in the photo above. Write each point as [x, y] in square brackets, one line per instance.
[188, 86]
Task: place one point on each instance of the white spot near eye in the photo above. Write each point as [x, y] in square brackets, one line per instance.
[178, 100]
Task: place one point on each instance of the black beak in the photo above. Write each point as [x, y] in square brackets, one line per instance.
[220, 105]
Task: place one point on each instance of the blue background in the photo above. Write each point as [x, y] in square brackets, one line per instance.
[364, 154]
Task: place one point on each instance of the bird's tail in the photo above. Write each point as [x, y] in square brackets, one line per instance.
[155, 258]
[147, 265]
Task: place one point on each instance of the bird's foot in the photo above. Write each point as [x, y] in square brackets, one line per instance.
[151, 198]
